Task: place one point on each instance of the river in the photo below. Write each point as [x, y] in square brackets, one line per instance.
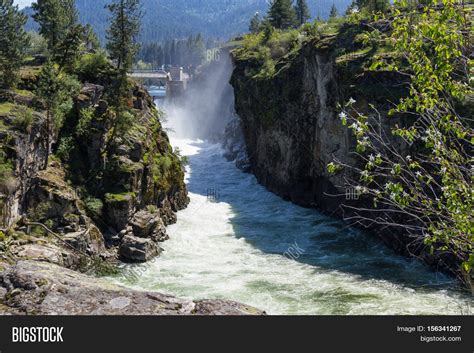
[238, 241]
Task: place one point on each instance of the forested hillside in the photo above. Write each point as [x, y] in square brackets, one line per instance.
[164, 19]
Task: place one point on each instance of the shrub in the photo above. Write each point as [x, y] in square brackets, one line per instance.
[94, 206]
[65, 147]
[23, 119]
[85, 117]
[40, 212]
[425, 191]
[94, 66]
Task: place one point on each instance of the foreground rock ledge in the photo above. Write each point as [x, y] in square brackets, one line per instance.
[37, 288]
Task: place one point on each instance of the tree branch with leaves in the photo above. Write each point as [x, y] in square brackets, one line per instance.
[424, 189]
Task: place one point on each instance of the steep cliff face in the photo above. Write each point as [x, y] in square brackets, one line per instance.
[291, 127]
[105, 192]
[133, 170]
[27, 148]
[233, 142]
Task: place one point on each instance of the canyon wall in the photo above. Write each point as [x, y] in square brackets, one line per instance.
[292, 129]
[99, 188]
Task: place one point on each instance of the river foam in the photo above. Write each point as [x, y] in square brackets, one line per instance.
[238, 241]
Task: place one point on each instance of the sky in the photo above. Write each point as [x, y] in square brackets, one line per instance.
[23, 3]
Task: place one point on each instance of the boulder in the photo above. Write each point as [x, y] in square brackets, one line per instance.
[50, 197]
[90, 241]
[134, 249]
[149, 225]
[50, 253]
[119, 209]
[89, 96]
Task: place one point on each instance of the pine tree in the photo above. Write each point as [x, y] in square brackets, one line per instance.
[68, 51]
[69, 9]
[122, 46]
[55, 89]
[58, 21]
[333, 13]
[55, 17]
[302, 12]
[255, 23]
[282, 14]
[90, 37]
[123, 31]
[13, 42]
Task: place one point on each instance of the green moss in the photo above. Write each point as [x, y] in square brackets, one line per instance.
[6, 108]
[24, 93]
[38, 231]
[355, 55]
[126, 196]
[152, 209]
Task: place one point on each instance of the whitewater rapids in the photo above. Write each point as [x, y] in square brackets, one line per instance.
[240, 242]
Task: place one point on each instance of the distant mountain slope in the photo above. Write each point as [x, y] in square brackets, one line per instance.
[165, 19]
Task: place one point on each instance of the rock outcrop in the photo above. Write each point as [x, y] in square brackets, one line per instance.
[135, 249]
[28, 148]
[103, 182]
[292, 129]
[36, 288]
[146, 224]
